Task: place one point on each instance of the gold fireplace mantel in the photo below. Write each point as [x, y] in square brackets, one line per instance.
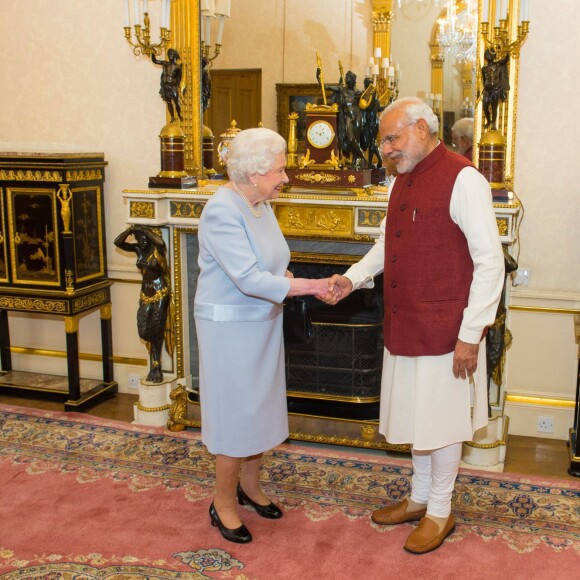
[311, 213]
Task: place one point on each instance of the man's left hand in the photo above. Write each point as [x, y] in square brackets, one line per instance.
[465, 359]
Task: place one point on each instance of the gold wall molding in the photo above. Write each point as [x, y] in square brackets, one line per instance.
[543, 309]
[125, 360]
[540, 401]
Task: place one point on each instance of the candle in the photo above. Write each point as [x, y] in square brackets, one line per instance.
[145, 7]
[485, 11]
[220, 29]
[378, 52]
[497, 12]
[222, 8]
[127, 22]
[136, 11]
[163, 14]
[207, 31]
[168, 14]
[525, 10]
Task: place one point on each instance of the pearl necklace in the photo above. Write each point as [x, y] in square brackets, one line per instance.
[256, 211]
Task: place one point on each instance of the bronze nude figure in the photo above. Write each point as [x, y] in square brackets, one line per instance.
[350, 124]
[155, 312]
[495, 85]
[171, 82]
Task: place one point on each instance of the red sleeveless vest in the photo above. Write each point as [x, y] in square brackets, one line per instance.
[428, 269]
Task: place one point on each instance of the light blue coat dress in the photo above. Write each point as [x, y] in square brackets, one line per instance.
[238, 317]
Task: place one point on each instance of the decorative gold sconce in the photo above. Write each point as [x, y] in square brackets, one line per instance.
[500, 48]
[143, 44]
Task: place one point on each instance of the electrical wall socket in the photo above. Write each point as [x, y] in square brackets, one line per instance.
[545, 424]
[522, 277]
[133, 381]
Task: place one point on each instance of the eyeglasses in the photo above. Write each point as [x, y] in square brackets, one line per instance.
[390, 139]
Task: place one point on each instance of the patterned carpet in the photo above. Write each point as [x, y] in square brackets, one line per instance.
[85, 498]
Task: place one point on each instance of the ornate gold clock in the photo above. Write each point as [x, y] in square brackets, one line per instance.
[321, 136]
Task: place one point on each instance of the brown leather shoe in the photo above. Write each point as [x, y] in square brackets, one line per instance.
[397, 514]
[427, 537]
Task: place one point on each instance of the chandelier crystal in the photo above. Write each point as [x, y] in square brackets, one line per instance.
[458, 31]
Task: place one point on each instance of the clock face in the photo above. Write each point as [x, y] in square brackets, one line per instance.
[320, 134]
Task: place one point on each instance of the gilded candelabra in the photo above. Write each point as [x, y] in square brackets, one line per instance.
[501, 44]
[385, 77]
[142, 44]
[211, 9]
[500, 41]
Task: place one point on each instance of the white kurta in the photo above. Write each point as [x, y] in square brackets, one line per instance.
[238, 318]
[422, 403]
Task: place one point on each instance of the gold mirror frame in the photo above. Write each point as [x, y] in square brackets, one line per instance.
[186, 40]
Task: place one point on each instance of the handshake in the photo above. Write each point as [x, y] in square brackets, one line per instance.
[329, 290]
[334, 289]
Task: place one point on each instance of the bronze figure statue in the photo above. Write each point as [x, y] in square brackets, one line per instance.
[155, 312]
[205, 83]
[350, 122]
[498, 337]
[370, 105]
[171, 82]
[496, 85]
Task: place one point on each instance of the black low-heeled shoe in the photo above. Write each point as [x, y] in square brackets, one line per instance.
[270, 511]
[239, 535]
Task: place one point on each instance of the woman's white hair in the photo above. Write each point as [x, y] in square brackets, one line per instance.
[253, 151]
[416, 109]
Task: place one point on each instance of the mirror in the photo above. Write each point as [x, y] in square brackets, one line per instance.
[411, 30]
[428, 71]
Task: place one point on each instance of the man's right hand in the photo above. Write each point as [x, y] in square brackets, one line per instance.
[339, 287]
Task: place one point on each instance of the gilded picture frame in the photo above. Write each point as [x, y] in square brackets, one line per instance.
[293, 98]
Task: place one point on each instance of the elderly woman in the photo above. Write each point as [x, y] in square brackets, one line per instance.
[243, 280]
